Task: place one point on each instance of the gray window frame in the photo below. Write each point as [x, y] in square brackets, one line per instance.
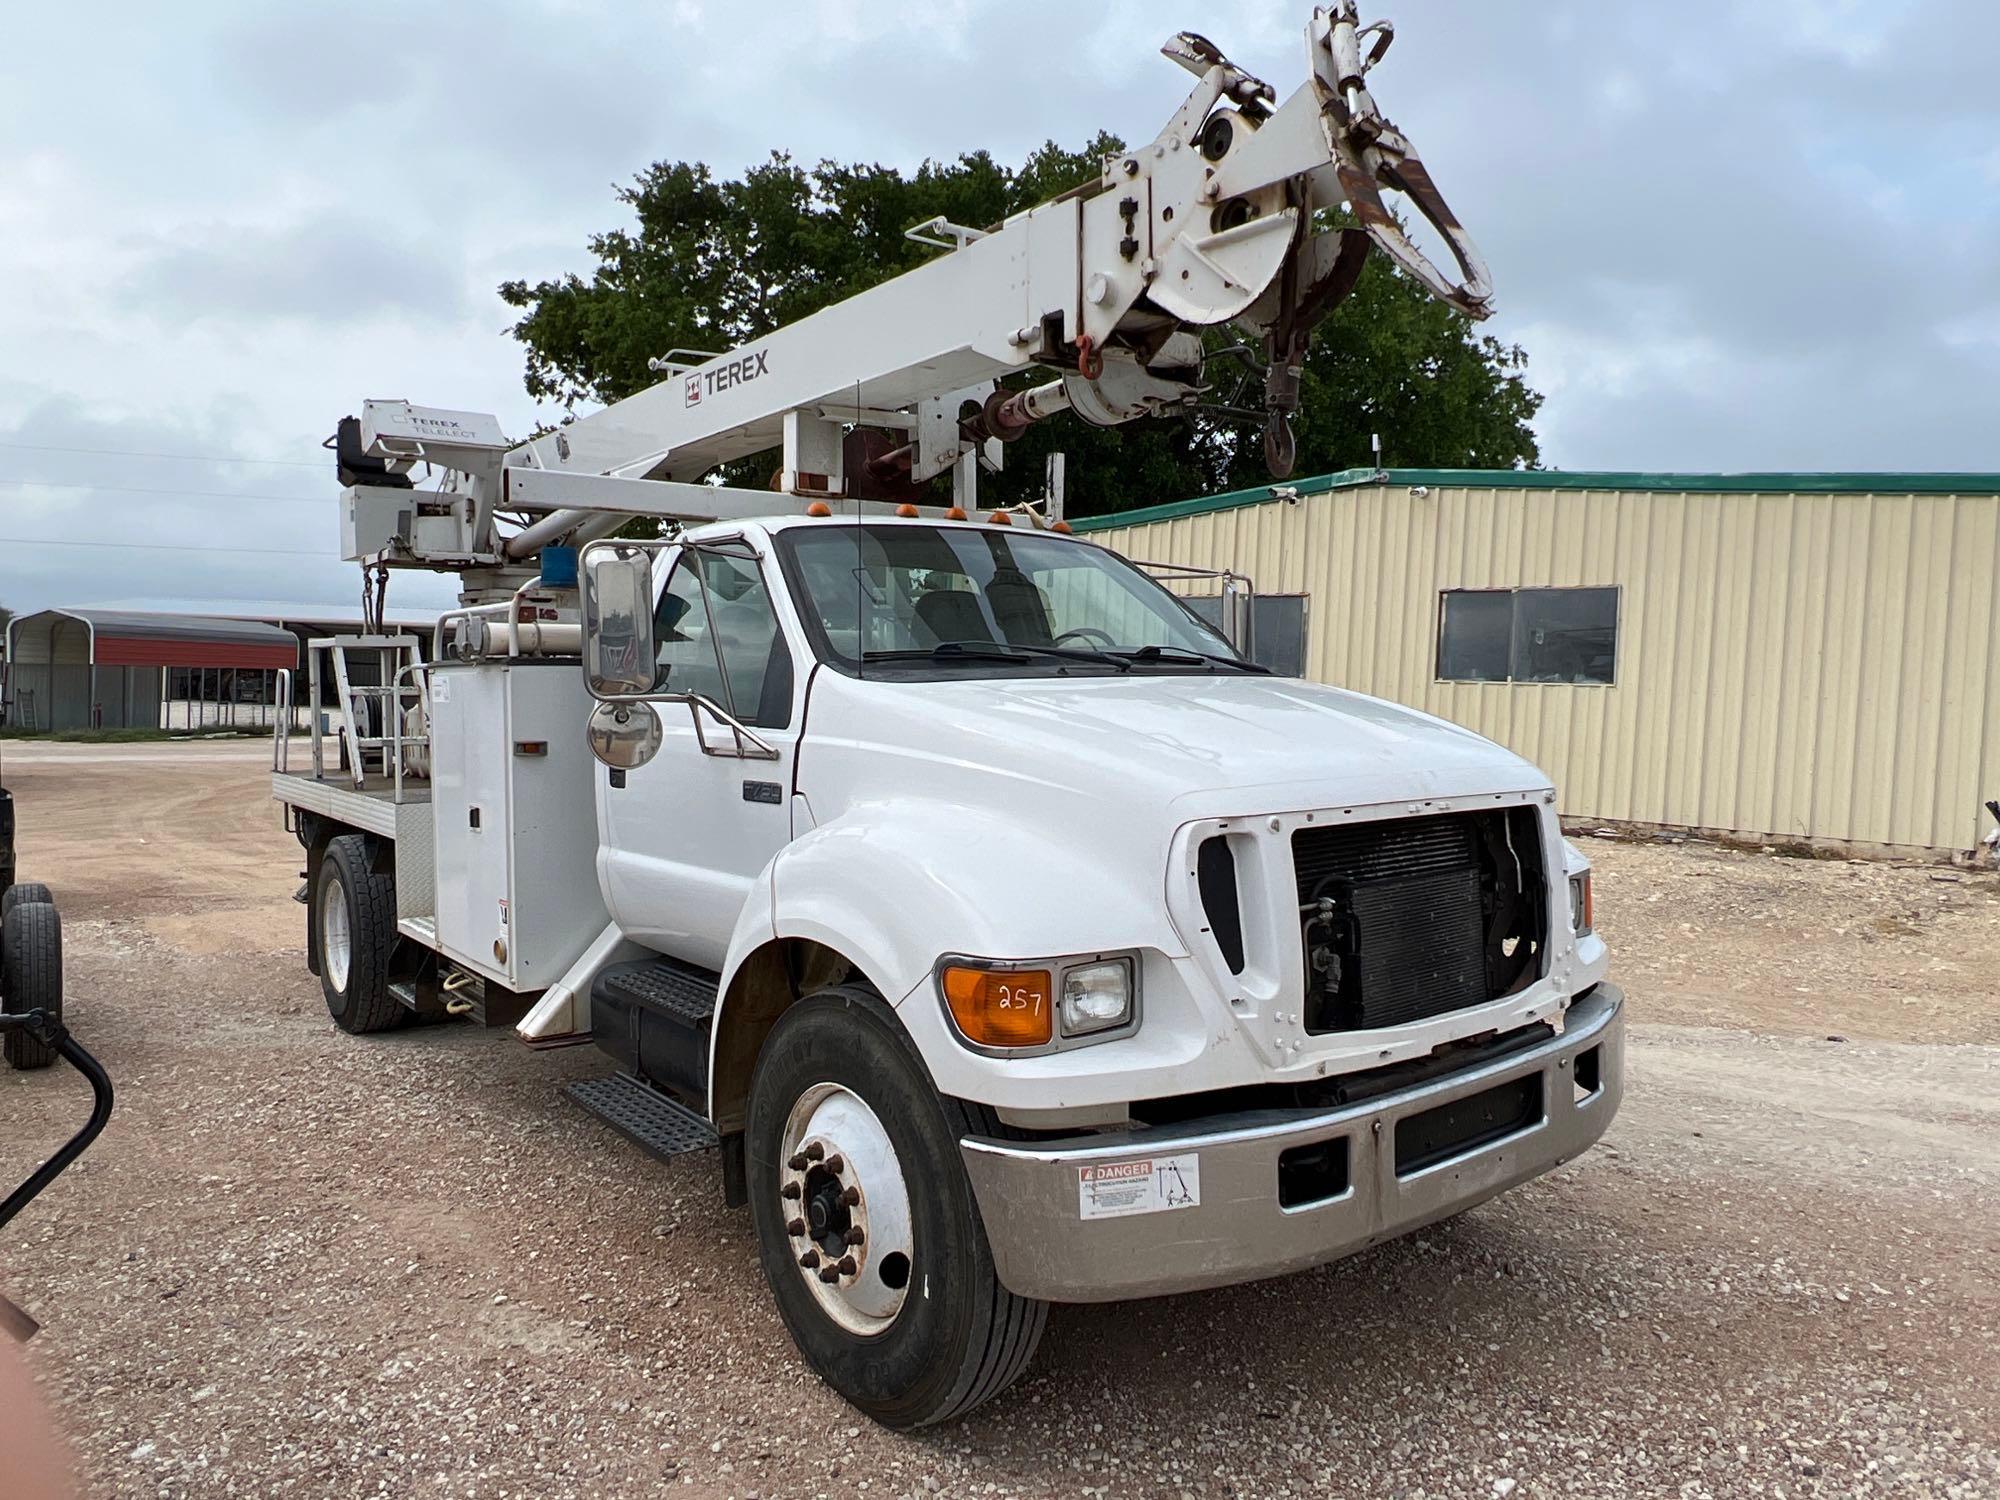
[1514, 591]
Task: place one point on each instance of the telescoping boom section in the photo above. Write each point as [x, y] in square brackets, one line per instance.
[1218, 221]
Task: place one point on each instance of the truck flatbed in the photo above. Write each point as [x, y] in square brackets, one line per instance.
[373, 807]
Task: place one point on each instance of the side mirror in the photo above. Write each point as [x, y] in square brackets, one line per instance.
[624, 736]
[1239, 614]
[617, 586]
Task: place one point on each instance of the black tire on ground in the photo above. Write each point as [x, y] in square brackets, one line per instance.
[348, 894]
[32, 978]
[26, 890]
[967, 1338]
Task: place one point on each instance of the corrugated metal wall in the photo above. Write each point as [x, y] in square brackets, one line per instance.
[1790, 666]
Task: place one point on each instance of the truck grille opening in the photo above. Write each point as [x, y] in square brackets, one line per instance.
[1415, 917]
[1215, 874]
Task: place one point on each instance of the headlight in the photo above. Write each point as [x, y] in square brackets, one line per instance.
[1580, 913]
[1015, 1005]
[1096, 997]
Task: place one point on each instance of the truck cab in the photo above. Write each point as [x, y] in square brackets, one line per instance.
[999, 859]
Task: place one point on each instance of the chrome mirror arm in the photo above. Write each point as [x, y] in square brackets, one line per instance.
[748, 744]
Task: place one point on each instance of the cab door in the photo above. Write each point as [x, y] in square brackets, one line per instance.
[685, 835]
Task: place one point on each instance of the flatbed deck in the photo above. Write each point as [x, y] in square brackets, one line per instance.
[372, 807]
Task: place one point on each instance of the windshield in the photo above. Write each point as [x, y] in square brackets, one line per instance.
[993, 598]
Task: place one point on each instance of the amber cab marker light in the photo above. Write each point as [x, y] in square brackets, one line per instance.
[1000, 518]
[1002, 1007]
[1063, 526]
[819, 508]
[907, 511]
[956, 513]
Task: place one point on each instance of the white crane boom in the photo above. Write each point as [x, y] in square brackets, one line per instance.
[1212, 222]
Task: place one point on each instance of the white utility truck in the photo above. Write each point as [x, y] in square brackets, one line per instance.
[1006, 932]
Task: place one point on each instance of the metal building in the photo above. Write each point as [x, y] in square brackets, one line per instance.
[1794, 658]
[111, 669]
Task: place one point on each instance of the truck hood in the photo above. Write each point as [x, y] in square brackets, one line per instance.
[1208, 746]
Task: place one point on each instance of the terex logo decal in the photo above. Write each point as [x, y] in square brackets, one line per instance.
[709, 382]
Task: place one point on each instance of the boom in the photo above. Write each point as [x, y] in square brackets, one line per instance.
[1105, 289]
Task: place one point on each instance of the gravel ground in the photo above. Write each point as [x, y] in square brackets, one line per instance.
[300, 1263]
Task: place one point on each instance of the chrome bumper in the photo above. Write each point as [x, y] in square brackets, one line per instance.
[1155, 1227]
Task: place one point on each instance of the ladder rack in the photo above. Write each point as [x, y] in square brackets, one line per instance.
[368, 733]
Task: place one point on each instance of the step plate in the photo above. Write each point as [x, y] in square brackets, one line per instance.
[685, 994]
[644, 1115]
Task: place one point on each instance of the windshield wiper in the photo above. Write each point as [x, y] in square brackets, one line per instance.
[1187, 656]
[998, 651]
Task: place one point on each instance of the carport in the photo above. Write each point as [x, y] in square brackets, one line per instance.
[110, 669]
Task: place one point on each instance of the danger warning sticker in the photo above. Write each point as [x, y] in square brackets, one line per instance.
[1153, 1185]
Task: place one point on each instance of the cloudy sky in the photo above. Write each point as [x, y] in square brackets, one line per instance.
[1730, 236]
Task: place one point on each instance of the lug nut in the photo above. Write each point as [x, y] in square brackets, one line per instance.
[809, 1259]
[851, 1197]
[847, 1266]
[814, 1151]
[798, 1162]
[796, 1227]
[855, 1236]
[836, 1164]
[789, 1190]
[829, 1274]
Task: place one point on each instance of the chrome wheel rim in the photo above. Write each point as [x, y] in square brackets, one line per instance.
[336, 943]
[846, 1208]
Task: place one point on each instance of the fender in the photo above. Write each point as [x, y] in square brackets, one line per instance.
[892, 886]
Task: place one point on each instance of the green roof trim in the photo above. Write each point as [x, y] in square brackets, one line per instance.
[1564, 479]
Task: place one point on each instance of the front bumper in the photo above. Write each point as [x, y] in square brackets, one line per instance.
[1175, 1208]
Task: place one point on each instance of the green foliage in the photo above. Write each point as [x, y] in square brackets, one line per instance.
[711, 264]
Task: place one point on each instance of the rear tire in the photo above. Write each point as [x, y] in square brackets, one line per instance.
[26, 890]
[354, 917]
[30, 976]
[921, 1330]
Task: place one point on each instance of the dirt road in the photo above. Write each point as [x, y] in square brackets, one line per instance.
[301, 1263]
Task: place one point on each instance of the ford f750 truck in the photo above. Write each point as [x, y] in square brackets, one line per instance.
[1005, 932]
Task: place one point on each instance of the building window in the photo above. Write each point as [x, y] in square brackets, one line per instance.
[1528, 635]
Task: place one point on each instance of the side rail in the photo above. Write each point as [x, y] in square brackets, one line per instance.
[281, 733]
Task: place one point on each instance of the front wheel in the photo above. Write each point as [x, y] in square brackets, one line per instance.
[866, 1223]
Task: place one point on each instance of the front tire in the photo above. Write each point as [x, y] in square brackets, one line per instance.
[866, 1223]
[354, 916]
[30, 976]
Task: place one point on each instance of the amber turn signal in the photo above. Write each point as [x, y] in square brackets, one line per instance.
[1001, 1007]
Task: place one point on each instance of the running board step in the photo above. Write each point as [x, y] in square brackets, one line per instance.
[644, 1115]
[654, 1018]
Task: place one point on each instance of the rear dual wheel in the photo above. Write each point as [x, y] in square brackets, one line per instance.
[354, 926]
[866, 1223]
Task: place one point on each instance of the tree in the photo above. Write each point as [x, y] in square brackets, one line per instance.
[710, 264]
